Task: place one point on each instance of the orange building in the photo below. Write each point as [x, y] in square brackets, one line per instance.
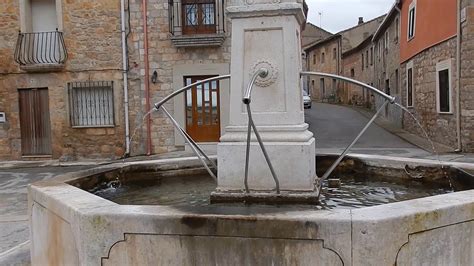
[430, 74]
[434, 22]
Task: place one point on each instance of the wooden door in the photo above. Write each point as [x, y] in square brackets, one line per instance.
[34, 122]
[203, 110]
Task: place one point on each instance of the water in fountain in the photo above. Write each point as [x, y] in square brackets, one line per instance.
[195, 190]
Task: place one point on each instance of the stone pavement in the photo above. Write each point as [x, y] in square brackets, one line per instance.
[14, 232]
[335, 126]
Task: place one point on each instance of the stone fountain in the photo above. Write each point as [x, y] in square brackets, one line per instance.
[267, 35]
[70, 225]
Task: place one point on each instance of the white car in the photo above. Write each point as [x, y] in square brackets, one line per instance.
[306, 100]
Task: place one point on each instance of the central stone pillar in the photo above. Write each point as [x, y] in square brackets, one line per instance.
[267, 34]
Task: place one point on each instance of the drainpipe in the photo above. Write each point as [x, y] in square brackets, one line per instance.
[125, 78]
[458, 78]
[147, 75]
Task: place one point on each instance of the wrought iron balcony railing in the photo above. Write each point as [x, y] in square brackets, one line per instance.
[40, 48]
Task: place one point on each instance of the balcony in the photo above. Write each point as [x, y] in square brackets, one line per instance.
[41, 51]
[196, 23]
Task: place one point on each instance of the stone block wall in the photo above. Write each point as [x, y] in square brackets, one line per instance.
[330, 65]
[386, 68]
[363, 72]
[467, 78]
[93, 41]
[163, 56]
[354, 36]
[440, 127]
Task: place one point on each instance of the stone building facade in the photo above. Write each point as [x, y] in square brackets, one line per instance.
[312, 34]
[40, 88]
[81, 92]
[336, 45]
[358, 64]
[324, 56]
[174, 55]
[386, 54]
[354, 36]
[428, 68]
[440, 127]
[467, 76]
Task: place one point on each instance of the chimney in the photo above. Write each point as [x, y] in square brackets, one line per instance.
[361, 20]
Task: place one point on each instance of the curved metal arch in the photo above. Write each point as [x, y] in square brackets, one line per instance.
[196, 149]
[391, 99]
[185, 88]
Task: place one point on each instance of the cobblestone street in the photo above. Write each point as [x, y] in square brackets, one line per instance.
[14, 232]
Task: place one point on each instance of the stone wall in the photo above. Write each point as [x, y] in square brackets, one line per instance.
[363, 72]
[467, 78]
[330, 65]
[163, 56]
[440, 127]
[312, 33]
[387, 67]
[92, 37]
[354, 36]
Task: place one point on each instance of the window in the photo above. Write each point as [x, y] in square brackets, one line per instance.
[198, 16]
[35, 12]
[387, 40]
[412, 20]
[352, 72]
[40, 41]
[380, 50]
[397, 30]
[334, 53]
[363, 61]
[371, 55]
[367, 58]
[323, 88]
[410, 84]
[322, 58]
[314, 59]
[443, 86]
[387, 86]
[396, 81]
[91, 104]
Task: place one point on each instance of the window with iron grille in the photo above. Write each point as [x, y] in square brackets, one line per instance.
[199, 16]
[91, 104]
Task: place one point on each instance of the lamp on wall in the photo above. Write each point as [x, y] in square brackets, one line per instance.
[154, 77]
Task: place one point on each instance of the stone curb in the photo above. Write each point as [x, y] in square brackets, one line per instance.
[18, 255]
[49, 163]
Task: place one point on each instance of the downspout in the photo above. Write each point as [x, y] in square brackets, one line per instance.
[458, 79]
[147, 75]
[125, 78]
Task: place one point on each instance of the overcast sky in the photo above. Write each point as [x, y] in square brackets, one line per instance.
[338, 15]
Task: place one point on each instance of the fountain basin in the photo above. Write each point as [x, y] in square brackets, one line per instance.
[70, 225]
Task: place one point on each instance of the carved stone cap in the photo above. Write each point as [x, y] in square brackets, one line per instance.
[259, 8]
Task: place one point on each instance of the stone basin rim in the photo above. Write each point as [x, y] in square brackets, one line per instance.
[62, 181]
